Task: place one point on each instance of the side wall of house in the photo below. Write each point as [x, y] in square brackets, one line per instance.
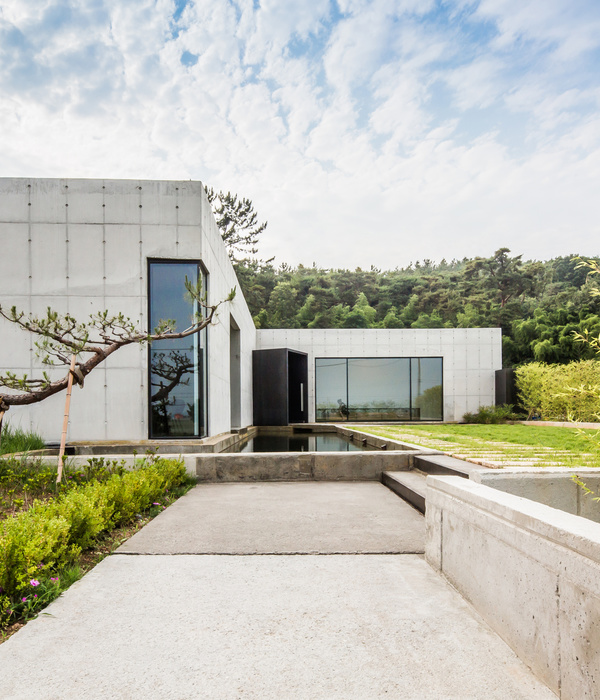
[80, 246]
[470, 356]
[221, 281]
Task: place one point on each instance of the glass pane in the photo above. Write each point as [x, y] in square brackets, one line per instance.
[173, 379]
[177, 367]
[331, 390]
[168, 299]
[427, 396]
[379, 389]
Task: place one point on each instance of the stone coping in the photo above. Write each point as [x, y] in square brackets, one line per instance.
[571, 531]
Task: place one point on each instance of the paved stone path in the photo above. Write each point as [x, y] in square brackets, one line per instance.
[240, 616]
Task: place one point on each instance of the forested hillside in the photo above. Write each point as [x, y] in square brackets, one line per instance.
[538, 305]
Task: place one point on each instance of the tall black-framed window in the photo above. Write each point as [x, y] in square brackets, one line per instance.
[177, 368]
[379, 388]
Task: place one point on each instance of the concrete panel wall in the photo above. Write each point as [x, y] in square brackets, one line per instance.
[531, 571]
[81, 246]
[470, 356]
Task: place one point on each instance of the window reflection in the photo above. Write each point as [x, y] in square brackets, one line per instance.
[177, 367]
[379, 389]
[331, 389]
[426, 378]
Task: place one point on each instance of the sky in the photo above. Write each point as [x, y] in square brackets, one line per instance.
[367, 133]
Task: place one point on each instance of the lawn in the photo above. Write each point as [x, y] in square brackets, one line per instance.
[502, 445]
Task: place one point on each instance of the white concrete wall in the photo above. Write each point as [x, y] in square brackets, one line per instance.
[82, 246]
[470, 356]
[531, 571]
[221, 281]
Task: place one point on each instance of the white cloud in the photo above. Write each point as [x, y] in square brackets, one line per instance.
[573, 27]
[336, 129]
[477, 85]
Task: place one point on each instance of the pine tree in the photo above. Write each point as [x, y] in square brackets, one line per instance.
[238, 223]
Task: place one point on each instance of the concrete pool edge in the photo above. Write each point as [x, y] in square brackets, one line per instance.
[206, 460]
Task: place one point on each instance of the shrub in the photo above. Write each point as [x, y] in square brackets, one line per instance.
[560, 392]
[29, 540]
[24, 479]
[492, 414]
[17, 440]
[50, 535]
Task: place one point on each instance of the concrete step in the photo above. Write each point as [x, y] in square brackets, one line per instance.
[444, 464]
[408, 485]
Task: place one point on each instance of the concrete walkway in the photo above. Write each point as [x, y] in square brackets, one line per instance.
[171, 617]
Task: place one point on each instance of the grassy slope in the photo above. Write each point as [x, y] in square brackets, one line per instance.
[561, 445]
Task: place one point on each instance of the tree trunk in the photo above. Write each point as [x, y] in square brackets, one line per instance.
[63, 438]
[2, 412]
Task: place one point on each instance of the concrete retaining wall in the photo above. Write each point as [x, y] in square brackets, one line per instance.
[531, 571]
[284, 466]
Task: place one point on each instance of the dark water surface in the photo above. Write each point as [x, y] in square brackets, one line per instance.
[297, 442]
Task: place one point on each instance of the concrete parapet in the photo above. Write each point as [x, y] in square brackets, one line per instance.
[531, 571]
[286, 466]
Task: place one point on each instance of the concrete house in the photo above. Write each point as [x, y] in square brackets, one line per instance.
[81, 246]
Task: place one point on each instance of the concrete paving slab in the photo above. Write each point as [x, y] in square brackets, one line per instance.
[266, 627]
[283, 518]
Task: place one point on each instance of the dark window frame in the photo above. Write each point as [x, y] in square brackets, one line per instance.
[203, 369]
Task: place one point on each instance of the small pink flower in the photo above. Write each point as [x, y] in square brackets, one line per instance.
[24, 600]
[34, 582]
[156, 504]
[54, 578]
[35, 595]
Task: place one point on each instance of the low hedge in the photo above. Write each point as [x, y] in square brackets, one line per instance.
[492, 415]
[51, 535]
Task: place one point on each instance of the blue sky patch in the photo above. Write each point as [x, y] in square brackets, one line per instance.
[188, 59]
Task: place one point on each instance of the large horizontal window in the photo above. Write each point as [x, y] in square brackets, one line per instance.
[177, 367]
[379, 389]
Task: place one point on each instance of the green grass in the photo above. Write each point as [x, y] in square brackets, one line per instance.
[544, 446]
[17, 440]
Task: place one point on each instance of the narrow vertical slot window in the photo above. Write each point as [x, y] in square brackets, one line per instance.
[177, 367]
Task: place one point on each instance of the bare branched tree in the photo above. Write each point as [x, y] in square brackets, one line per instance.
[62, 336]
